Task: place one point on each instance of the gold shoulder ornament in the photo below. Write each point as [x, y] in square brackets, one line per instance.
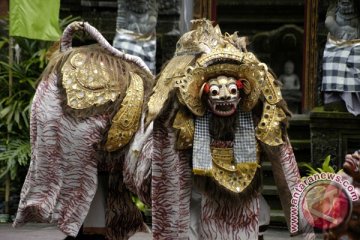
[184, 122]
[174, 70]
[89, 79]
[269, 127]
[126, 121]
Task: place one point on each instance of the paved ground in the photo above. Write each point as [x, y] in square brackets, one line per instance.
[34, 231]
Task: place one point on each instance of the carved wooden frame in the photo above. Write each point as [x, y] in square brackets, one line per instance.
[310, 65]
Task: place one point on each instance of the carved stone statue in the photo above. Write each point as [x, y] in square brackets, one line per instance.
[139, 16]
[289, 79]
[342, 19]
[350, 229]
[341, 81]
[291, 86]
[135, 29]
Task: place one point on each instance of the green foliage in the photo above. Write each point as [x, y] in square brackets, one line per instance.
[325, 167]
[17, 154]
[15, 106]
[15, 99]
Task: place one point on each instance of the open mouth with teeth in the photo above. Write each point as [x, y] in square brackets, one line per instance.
[223, 109]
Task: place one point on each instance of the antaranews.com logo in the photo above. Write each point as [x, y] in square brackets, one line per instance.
[323, 199]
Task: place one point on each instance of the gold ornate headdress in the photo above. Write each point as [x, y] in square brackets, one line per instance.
[203, 53]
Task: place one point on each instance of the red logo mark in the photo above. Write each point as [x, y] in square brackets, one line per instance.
[325, 205]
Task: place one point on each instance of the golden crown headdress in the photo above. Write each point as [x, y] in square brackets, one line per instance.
[205, 52]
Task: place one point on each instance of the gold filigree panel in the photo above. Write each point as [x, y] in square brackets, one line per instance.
[88, 82]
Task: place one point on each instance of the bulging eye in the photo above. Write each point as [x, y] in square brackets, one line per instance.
[214, 90]
[232, 88]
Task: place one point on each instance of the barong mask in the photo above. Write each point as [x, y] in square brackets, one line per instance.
[222, 95]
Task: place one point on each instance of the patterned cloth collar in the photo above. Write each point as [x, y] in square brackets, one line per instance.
[244, 142]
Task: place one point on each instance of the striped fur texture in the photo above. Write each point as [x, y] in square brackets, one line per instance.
[171, 184]
[223, 219]
[287, 176]
[62, 177]
[123, 218]
[137, 167]
[221, 216]
[67, 147]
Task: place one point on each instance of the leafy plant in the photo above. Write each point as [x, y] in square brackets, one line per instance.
[16, 97]
[325, 167]
[16, 154]
[15, 103]
[18, 79]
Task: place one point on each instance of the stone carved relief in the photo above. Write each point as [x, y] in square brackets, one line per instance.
[169, 7]
[139, 16]
[324, 143]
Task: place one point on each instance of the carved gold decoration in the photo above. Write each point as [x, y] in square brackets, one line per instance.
[224, 53]
[249, 57]
[88, 82]
[233, 176]
[213, 54]
[271, 92]
[269, 128]
[126, 121]
[254, 77]
[203, 39]
[223, 158]
[189, 89]
[174, 70]
[184, 122]
[235, 181]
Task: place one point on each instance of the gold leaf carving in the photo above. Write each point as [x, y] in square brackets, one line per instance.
[184, 122]
[174, 70]
[126, 121]
[269, 128]
[272, 93]
[88, 82]
[235, 177]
